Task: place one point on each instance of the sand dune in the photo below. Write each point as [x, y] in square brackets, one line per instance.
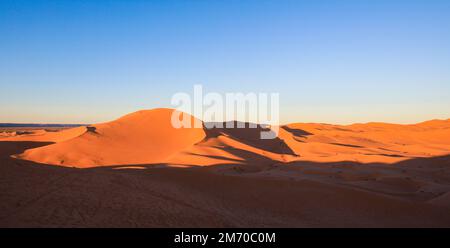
[42, 135]
[145, 173]
[148, 137]
[138, 138]
[368, 143]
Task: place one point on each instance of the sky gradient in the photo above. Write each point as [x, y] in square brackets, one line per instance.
[331, 61]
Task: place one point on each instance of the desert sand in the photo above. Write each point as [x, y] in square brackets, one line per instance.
[139, 171]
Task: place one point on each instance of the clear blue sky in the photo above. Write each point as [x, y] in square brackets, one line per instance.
[331, 61]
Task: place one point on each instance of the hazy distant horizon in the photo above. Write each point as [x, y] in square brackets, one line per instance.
[57, 124]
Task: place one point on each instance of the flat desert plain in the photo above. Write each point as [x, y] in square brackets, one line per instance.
[139, 171]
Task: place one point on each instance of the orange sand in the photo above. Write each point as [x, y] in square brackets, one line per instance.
[148, 137]
[140, 171]
[138, 138]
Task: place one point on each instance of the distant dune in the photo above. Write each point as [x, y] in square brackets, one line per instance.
[140, 171]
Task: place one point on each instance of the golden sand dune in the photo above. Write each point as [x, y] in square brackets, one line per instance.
[138, 138]
[311, 175]
[148, 137]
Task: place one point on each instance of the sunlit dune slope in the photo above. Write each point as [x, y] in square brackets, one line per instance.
[137, 138]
